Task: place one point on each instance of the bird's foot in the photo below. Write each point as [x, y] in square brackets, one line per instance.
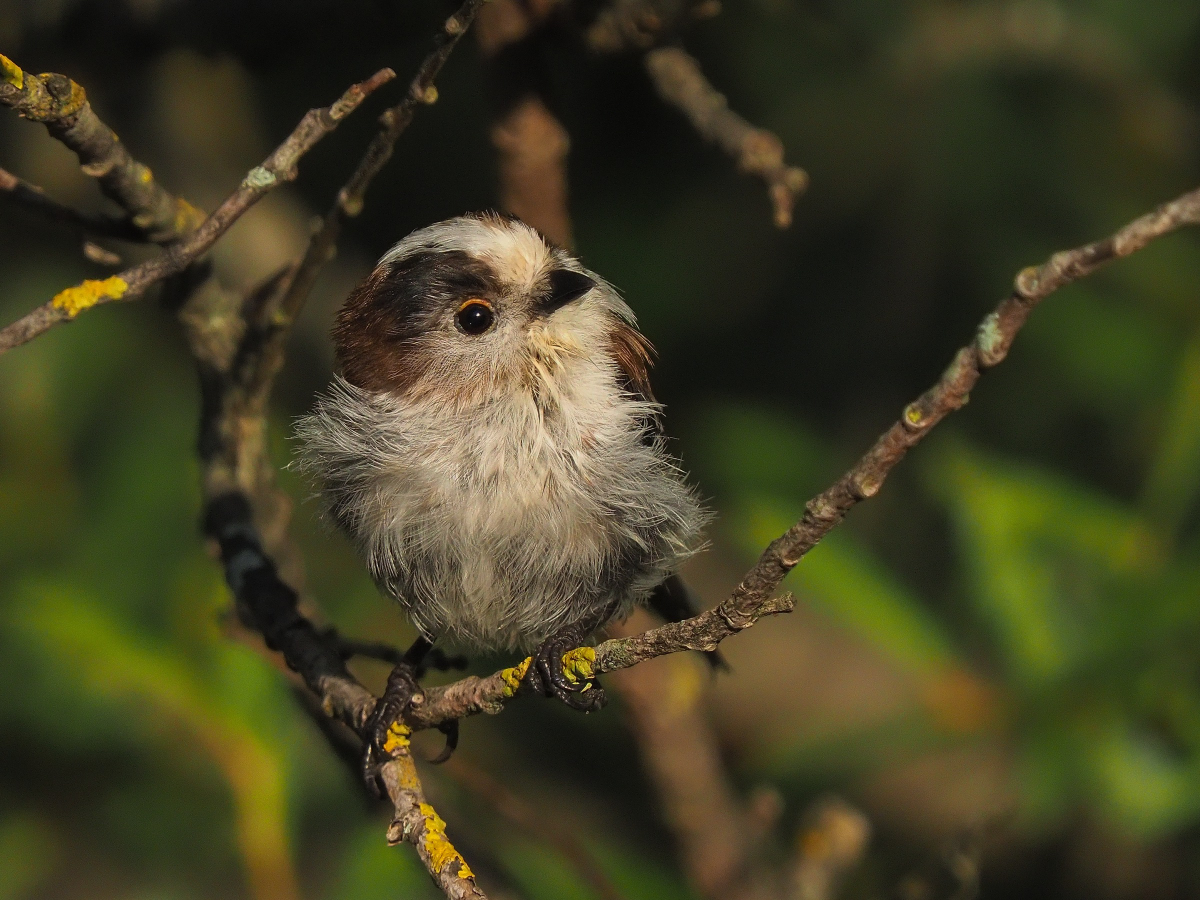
[563, 669]
[385, 731]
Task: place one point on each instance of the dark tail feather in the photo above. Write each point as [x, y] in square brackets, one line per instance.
[674, 602]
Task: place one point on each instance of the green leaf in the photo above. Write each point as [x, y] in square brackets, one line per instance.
[1040, 552]
[27, 853]
[1174, 478]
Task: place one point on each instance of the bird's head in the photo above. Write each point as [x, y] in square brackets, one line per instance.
[476, 304]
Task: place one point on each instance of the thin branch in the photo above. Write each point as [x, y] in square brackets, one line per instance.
[130, 284]
[275, 318]
[62, 106]
[417, 823]
[31, 197]
[679, 81]
[753, 599]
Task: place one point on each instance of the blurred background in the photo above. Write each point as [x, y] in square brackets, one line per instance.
[996, 661]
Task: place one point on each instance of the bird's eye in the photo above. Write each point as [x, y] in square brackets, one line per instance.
[475, 317]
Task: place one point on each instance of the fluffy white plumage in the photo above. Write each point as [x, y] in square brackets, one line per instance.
[516, 484]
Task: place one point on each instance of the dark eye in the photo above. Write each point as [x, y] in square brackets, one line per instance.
[475, 317]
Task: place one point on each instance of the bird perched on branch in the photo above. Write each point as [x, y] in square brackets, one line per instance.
[491, 445]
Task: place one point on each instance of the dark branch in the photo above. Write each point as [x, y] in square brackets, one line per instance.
[31, 197]
[679, 81]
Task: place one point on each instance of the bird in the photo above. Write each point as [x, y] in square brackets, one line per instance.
[491, 446]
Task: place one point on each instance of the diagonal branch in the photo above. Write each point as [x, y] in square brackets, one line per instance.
[752, 599]
[679, 80]
[130, 284]
[62, 106]
[31, 197]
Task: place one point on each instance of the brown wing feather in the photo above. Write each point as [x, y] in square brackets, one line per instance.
[634, 355]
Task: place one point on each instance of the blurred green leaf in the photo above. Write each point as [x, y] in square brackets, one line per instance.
[27, 853]
[1174, 478]
[1038, 550]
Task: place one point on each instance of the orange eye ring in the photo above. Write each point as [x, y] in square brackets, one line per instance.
[475, 317]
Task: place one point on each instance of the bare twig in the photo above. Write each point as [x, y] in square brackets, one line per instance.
[679, 81]
[33, 198]
[62, 106]
[130, 284]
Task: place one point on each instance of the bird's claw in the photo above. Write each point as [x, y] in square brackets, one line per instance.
[385, 730]
[551, 677]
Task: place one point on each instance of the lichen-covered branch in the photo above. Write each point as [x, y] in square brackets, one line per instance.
[753, 598]
[132, 283]
[416, 822]
[679, 81]
[62, 106]
[238, 346]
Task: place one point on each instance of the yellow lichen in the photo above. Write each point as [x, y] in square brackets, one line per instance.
[75, 300]
[397, 737]
[437, 845]
[579, 664]
[11, 72]
[512, 677]
[187, 217]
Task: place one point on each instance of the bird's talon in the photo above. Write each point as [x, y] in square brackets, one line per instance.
[564, 670]
[385, 731]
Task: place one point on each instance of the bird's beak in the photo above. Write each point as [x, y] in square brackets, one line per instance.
[565, 286]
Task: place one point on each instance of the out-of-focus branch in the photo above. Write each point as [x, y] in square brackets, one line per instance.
[130, 284]
[753, 598]
[62, 106]
[531, 144]
[643, 24]
[664, 699]
[538, 824]
[31, 197]
[679, 81]
[672, 730]
[832, 840]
